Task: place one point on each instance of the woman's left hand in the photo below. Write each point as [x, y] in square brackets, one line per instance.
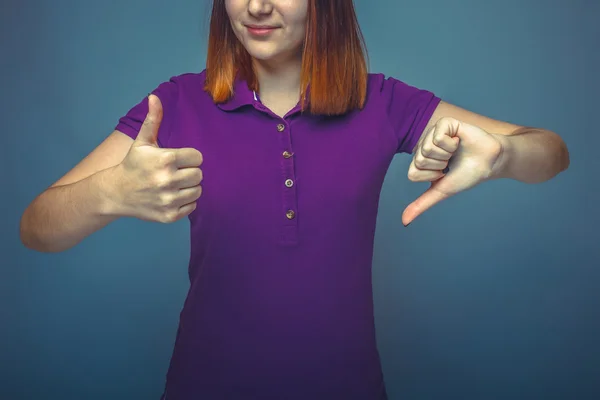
[469, 152]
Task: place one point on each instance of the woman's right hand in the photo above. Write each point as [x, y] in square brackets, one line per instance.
[156, 184]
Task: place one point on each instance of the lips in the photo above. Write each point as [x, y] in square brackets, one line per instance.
[260, 30]
[261, 27]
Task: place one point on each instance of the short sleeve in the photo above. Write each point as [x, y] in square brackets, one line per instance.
[408, 110]
[132, 121]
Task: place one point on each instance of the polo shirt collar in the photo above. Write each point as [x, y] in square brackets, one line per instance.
[242, 96]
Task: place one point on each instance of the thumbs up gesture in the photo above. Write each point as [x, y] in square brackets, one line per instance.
[468, 152]
[156, 184]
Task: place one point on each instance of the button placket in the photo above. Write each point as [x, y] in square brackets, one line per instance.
[289, 233]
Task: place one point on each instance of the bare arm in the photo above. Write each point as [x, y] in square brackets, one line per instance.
[121, 177]
[78, 204]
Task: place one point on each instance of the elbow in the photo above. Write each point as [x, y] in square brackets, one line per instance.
[566, 158]
[33, 243]
[559, 154]
[27, 234]
[31, 238]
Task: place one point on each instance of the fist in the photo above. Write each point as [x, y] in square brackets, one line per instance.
[453, 156]
[156, 184]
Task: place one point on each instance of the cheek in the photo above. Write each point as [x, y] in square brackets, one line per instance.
[228, 7]
[299, 36]
[233, 20]
[233, 9]
[297, 14]
[299, 25]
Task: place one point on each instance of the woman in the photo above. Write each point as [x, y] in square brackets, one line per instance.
[294, 138]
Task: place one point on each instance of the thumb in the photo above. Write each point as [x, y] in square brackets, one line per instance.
[148, 134]
[431, 197]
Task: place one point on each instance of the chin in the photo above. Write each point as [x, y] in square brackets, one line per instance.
[262, 54]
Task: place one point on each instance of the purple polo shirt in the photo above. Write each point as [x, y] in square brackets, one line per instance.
[280, 302]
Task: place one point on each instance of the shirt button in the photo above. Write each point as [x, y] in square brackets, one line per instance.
[287, 154]
[289, 183]
[290, 214]
[281, 127]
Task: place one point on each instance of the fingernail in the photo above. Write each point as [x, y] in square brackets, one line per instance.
[406, 226]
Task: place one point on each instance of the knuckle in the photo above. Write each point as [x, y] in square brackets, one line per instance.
[148, 121]
[165, 199]
[446, 120]
[413, 174]
[163, 182]
[188, 211]
[168, 157]
[427, 149]
[419, 160]
[169, 217]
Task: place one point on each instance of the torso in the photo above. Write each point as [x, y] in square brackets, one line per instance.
[280, 300]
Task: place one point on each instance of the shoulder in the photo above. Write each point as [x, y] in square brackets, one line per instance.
[376, 79]
[393, 93]
[193, 79]
[381, 83]
[184, 89]
[188, 82]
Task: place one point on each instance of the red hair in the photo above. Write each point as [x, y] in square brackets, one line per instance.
[334, 60]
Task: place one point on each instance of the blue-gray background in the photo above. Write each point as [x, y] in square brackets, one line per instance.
[490, 295]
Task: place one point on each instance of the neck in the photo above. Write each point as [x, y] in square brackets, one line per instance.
[279, 79]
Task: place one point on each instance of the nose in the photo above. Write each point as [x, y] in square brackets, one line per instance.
[258, 8]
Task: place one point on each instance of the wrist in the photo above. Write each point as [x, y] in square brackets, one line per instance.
[501, 167]
[111, 198]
